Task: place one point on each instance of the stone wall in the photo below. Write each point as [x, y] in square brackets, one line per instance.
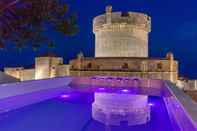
[42, 68]
[130, 64]
[187, 85]
[166, 69]
[45, 67]
[13, 71]
[63, 70]
[151, 75]
[27, 74]
[20, 73]
[121, 43]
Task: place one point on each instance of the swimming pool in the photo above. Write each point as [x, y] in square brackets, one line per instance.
[96, 104]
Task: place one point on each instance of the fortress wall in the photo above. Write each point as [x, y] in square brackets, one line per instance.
[27, 74]
[119, 34]
[121, 43]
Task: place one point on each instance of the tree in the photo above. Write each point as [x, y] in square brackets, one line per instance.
[23, 22]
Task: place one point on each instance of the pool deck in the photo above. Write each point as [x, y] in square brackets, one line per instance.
[17, 95]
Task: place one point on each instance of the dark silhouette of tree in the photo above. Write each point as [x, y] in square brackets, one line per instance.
[23, 22]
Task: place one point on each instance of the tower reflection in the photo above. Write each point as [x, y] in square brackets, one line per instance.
[120, 109]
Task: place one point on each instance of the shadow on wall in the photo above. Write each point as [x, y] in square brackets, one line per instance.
[7, 79]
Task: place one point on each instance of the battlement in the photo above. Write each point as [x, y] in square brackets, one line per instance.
[129, 19]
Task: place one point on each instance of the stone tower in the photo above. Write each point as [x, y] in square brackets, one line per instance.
[121, 34]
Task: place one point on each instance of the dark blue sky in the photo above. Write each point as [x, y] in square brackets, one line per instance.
[174, 28]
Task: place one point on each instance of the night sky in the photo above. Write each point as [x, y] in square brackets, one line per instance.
[174, 28]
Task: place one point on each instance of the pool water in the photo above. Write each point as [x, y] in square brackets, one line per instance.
[73, 112]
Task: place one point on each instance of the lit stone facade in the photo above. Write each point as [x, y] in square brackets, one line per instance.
[122, 49]
[27, 74]
[63, 70]
[14, 72]
[20, 73]
[45, 67]
[166, 68]
[119, 34]
[188, 85]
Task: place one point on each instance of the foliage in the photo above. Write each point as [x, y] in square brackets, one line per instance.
[23, 22]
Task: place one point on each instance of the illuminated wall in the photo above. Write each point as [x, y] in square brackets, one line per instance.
[27, 74]
[63, 70]
[119, 34]
[13, 71]
[45, 67]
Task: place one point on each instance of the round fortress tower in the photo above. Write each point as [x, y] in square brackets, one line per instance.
[121, 34]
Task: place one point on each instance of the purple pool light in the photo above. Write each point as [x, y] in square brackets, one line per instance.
[125, 90]
[101, 89]
[150, 104]
[65, 96]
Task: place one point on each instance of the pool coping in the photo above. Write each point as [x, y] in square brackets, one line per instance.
[189, 105]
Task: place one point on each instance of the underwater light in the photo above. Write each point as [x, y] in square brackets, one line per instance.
[150, 104]
[125, 90]
[101, 89]
[64, 96]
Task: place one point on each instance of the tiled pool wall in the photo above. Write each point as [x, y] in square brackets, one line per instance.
[142, 86]
[16, 95]
[117, 81]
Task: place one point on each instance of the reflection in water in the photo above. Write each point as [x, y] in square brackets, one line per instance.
[120, 109]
